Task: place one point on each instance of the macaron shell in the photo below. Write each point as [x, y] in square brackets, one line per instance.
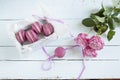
[37, 27]
[48, 29]
[20, 36]
[60, 52]
[31, 36]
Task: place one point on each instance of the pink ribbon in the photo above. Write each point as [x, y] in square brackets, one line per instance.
[50, 58]
[48, 19]
[83, 69]
[51, 19]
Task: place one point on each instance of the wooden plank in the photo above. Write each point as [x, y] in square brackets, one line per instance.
[106, 65]
[60, 70]
[64, 9]
[74, 26]
[11, 53]
[17, 9]
[5, 39]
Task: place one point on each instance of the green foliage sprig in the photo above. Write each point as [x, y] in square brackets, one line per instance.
[105, 19]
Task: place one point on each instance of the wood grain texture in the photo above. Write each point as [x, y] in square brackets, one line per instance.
[106, 65]
[74, 26]
[32, 70]
[109, 52]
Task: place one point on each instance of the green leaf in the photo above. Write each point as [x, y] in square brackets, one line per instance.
[100, 19]
[100, 12]
[95, 29]
[108, 11]
[110, 23]
[100, 29]
[88, 22]
[116, 12]
[94, 18]
[110, 34]
[117, 9]
[103, 28]
[116, 3]
[117, 20]
[105, 18]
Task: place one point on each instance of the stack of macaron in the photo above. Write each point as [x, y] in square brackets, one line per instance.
[32, 35]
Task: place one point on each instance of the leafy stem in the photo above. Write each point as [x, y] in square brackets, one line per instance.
[104, 20]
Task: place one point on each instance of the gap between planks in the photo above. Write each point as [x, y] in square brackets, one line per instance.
[57, 18]
[5, 46]
[98, 60]
[54, 45]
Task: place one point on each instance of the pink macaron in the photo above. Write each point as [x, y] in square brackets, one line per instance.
[37, 27]
[60, 52]
[20, 36]
[48, 29]
[31, 36]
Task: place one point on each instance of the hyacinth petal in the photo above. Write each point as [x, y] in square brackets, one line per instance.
[96, 43]
[89, 52]
[81, 40]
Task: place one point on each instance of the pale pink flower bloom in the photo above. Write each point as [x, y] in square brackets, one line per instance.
[82, 40]
[95, 42]
[89, 45]
[89, 52]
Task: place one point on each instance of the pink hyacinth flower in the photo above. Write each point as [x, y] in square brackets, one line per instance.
[96, 43]
[82, 40]
[89, 52]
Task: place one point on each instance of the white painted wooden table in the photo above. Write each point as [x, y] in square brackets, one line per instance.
[106, 65]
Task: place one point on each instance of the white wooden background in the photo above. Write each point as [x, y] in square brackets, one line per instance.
[106, 65]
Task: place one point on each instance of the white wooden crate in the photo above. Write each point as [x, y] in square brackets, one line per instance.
[106, 65]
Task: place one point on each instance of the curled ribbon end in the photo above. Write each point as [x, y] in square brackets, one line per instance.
[46, 66]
